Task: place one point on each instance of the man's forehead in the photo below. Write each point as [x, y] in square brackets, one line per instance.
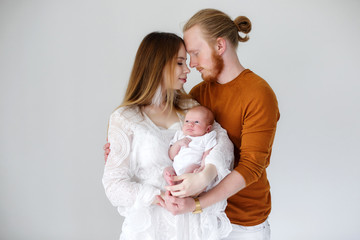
[193, 38]
[192, 32]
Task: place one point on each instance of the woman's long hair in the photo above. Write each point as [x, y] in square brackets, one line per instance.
[155, 58]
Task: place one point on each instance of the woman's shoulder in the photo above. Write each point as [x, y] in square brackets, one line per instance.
[126, 114]
[186, 104]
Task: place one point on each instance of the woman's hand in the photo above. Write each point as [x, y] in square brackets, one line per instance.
[176, 205]
[106, 151]
[158, 198]
[193, 183]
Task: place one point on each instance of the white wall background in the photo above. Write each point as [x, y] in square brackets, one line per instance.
[64, 66]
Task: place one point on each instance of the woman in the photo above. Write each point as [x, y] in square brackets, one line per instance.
[139, 134]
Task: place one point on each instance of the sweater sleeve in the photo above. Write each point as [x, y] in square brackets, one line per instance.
[119, 170]
[260, 119]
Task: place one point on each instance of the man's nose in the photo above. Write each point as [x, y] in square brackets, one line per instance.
[193, 63]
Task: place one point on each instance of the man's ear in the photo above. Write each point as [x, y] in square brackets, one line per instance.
[220, 45]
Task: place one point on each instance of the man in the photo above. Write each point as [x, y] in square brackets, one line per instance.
[245, 105]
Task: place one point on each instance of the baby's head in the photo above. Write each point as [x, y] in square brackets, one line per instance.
[198, 121]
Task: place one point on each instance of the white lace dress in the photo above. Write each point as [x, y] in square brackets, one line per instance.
[133, 176]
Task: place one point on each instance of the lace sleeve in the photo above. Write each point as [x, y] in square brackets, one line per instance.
[120, 188]
[222, 155]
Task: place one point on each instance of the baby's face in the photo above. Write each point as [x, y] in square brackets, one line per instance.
[196, 124]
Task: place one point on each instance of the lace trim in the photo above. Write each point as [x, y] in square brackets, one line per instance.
[133, 199]
[121, 190]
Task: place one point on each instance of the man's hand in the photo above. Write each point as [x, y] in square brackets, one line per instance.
[192, 185]
[106, 151]
[176, 205]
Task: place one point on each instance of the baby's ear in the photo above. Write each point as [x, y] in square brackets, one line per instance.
[208, 129]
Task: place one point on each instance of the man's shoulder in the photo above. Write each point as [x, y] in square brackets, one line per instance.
[198, 87]
[252, 79]
[256, 84]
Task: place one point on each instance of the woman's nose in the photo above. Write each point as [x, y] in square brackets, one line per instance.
[187, 69]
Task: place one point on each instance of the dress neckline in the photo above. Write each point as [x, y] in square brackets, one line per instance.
[160, 127]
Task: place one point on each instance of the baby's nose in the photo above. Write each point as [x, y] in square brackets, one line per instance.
[190, 123]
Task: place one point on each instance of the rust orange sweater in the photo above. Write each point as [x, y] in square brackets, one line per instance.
[247, 108]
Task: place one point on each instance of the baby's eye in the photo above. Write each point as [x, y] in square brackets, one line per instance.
[196, 121]
[186, 121]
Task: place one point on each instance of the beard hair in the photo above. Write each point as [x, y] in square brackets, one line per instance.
[217, 69]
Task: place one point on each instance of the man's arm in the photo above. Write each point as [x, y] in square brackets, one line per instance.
[193, 183]
[230, 185]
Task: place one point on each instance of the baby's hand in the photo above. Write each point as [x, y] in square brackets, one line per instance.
[183, 142]
[197, 170]
[168, 173]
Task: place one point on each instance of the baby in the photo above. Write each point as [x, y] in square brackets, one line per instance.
[192, 144]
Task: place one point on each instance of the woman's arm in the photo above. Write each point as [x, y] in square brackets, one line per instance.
[119, 168]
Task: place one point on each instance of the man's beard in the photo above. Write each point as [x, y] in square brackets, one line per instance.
[217, 69]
